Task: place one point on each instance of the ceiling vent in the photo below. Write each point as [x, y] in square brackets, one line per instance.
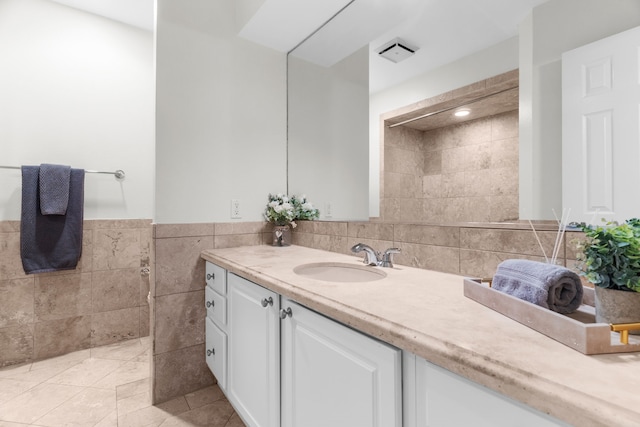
[396, 50]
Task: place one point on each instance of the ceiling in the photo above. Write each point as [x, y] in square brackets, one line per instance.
[442, 30]
[138, 13]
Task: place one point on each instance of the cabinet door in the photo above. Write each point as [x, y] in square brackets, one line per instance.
[216, 352]
[444, 399]
[253, 381]
[335, 376]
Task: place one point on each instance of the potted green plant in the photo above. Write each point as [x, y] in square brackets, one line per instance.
[610, 259]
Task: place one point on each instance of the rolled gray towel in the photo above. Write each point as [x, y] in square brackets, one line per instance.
[550, 286]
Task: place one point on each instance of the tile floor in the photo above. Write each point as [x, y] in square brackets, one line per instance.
[102, 387]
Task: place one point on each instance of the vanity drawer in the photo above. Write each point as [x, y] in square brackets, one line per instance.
[216, 277]
[216, 306]
[216, 352]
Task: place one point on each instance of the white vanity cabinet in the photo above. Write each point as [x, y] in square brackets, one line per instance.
[325, 373]
[253, 380]
[215, 324]
[335, 376]
[435, 397]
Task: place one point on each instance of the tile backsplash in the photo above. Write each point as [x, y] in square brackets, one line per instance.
[102, 301]
[467, 249]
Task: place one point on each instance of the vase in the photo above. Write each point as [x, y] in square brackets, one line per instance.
[614, 306]
[281, 235]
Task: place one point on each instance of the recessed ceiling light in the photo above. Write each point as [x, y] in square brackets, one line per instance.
[462, 113]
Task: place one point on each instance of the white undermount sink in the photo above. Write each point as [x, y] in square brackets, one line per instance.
[339, 272]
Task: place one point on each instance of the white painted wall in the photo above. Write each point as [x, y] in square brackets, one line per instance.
[76, 89]
[221, 116]
[551, 29]
[492, 61]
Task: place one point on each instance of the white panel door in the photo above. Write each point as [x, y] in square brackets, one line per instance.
[600, 134]
[335, 376]
[253, 378]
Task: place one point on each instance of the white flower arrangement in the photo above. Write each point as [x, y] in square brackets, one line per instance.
[304, 209]
[284, 210]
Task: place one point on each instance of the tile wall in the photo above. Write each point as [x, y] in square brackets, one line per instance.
[101, 302]
[472, 250]
[178, 362]
[465, 172]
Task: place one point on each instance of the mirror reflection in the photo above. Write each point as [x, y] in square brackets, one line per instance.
[505, 162]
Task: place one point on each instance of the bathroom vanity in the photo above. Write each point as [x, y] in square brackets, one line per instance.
[407, 349]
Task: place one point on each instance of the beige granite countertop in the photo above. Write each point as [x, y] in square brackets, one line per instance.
[425, 312]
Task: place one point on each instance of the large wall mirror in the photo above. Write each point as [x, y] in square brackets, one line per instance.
[336, 94]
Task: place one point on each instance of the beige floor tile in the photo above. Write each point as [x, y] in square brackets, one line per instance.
[133, 403]
[127, 372]
[216, 414]
[85, 409]
[235, 421]
[87, 372]
[65, 359]
[41, 374]
[204, 396]
[10, 388]
[44, 369]
[153, 415]
[143, 357]
[36, 402]
[10, 371]
[124, 350]
[131, 389]
[10, 424]
[110, 420]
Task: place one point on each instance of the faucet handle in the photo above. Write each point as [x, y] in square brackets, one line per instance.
[387, 257]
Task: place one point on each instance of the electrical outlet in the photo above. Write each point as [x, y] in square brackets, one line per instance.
[235, 208]
[327, 210]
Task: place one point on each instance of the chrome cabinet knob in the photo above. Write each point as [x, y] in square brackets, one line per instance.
[211, 276]
[266, 301]
[285, 313]
[210, 304]
[211, 352]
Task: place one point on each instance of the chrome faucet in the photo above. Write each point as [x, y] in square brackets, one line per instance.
[371, 257]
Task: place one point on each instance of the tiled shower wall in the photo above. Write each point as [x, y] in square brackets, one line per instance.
[466, 172]
[103, 301]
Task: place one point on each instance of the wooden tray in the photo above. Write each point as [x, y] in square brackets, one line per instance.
[577, 330]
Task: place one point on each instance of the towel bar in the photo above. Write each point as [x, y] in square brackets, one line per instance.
[119, 173]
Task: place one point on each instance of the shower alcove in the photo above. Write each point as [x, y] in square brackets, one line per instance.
[438, 168]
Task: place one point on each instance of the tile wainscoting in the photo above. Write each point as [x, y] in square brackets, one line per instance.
[102, 301]
[178, 361]
[178, 312]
